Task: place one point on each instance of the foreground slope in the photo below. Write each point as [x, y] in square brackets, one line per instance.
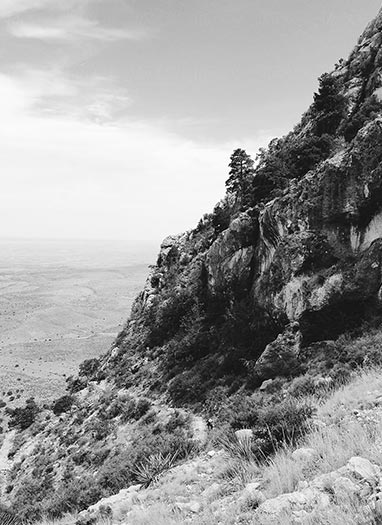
[333, 475]
[287, 262]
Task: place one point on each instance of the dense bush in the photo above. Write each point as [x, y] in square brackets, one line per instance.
[167, 316]
[367, 111]
[273, 425]
[303, 385]
[221, 218]
[123, 467]
[89, 367]
[23, 418]
[286, 158]
[187, 387]
[74, 494]
[134, 409]
[283, 423]
[75, 384]
[63, 404]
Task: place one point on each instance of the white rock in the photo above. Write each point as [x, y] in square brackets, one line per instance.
[363, 469]
[192, 506]
[133, 488]
[251, 495]
[265, 384]
[212, 492]
[304, 455]
[344, 487]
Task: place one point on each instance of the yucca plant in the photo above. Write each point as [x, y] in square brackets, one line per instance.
[243, 448]
[148, 471]
[8, 518]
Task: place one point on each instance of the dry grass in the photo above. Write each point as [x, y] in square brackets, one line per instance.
[71, 519]
[242, 464]
[349, 424]
[159, 514]
[340, 435]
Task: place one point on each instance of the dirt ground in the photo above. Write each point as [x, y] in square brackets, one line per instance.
[55, 315]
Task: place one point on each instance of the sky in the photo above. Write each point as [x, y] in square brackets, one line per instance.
[118, 117]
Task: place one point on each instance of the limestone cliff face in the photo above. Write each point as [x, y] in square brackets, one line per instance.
[311, 252]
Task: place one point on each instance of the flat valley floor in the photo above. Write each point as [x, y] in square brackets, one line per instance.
[61, 303]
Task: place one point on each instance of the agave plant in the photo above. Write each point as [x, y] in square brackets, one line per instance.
[148, 471]
[8, 518]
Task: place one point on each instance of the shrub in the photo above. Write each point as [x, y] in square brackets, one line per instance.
[89, 367]
[187, 387]
[302, 386]
[168, 316]
[282, 424]
[273, 426]
[74, 495]
[76, 384]
[23, 417]
[367, 111]
[134, 409]
[63, 404]
[221, 218]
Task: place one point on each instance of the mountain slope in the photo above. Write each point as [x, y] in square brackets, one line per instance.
[297, 243]
[288, 260]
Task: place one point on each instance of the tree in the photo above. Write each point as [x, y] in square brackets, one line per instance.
[241, 172]
[328, 105]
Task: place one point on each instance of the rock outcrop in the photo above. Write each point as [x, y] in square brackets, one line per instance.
[309, 250]
[359, 478]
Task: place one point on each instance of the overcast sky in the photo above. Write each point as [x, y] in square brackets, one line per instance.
[118, 117]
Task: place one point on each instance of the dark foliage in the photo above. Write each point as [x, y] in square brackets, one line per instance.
[63, 404]
[24, 417]
[328, 106]
[221, 218]
[89, 367]
[241, 172]
[366, 112]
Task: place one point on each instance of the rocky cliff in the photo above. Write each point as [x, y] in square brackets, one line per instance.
[291, 258]
[301, 244]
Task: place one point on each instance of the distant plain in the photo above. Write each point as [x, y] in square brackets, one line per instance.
[62, 302]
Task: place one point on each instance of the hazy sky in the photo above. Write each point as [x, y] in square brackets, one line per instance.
[118, 117]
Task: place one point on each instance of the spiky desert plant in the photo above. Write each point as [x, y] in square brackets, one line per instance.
[148, 471]
[243, 448]
[8, 518]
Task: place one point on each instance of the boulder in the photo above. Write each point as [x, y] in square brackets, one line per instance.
[364, 470]
[304, 455]
[212, 492]
[345, 487]
[252, 496]
[118, 504]
[265, 384]
[191, 506]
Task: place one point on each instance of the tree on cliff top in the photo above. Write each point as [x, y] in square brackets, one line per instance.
[241, 172]
[329, 105]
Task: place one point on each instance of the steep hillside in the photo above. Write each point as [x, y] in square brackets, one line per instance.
[260, 289]
[298, 243]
